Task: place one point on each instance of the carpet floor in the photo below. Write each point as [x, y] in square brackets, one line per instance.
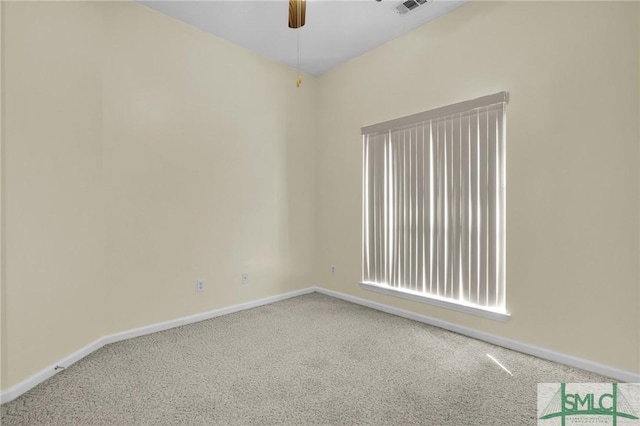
[311, 359]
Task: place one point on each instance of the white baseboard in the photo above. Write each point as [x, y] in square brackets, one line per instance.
[136, 332]
[50, 371]
[605, 370]
[583, 364]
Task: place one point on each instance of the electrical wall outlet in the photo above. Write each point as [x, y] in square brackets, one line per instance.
[200, 286]
[333, 269]
[245, 278]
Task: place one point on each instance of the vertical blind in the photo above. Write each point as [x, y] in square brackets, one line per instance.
[434, 203]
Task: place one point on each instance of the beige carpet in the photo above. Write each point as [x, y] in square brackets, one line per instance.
[312, 359]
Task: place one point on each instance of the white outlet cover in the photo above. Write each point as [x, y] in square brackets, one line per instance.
[245, 278]
[200, 286]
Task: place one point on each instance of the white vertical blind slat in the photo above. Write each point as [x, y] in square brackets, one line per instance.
[365, 205]
[419, 208]
[502, 171]
[432, 213]
[411, 212]
[464, 208]
[424, 218]
[492, 216]
[440, 181]
[398, 223]
[484, 204]
[375, 178]
[455, 208]
[473, 209]
[446, 166]
[405, 211]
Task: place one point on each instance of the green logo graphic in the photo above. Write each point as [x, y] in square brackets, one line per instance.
[614, 405]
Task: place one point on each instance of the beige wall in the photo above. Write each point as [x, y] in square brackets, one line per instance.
[3, 299]
[142, 155]
[572, 165]
[208, 157]
[54, 234]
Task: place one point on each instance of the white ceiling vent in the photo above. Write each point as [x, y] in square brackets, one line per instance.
[407, 6]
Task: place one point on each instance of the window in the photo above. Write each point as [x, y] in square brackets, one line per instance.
[434, 206]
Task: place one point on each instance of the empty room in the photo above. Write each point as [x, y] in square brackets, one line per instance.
[320, 212]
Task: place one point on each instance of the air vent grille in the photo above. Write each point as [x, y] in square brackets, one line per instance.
[408, 5]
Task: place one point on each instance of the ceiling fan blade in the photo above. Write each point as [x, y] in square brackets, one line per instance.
[297, 9]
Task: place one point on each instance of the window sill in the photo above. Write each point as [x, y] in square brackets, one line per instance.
[443, 303]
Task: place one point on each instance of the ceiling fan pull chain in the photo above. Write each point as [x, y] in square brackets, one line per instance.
[299, 79]
[297, 9]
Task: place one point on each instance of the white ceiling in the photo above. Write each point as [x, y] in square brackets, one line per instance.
[335, 30]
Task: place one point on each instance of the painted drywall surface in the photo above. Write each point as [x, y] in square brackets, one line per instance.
[572, 161]
[142, 155]
[3, 311]
[54, 233]
[208, 152]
